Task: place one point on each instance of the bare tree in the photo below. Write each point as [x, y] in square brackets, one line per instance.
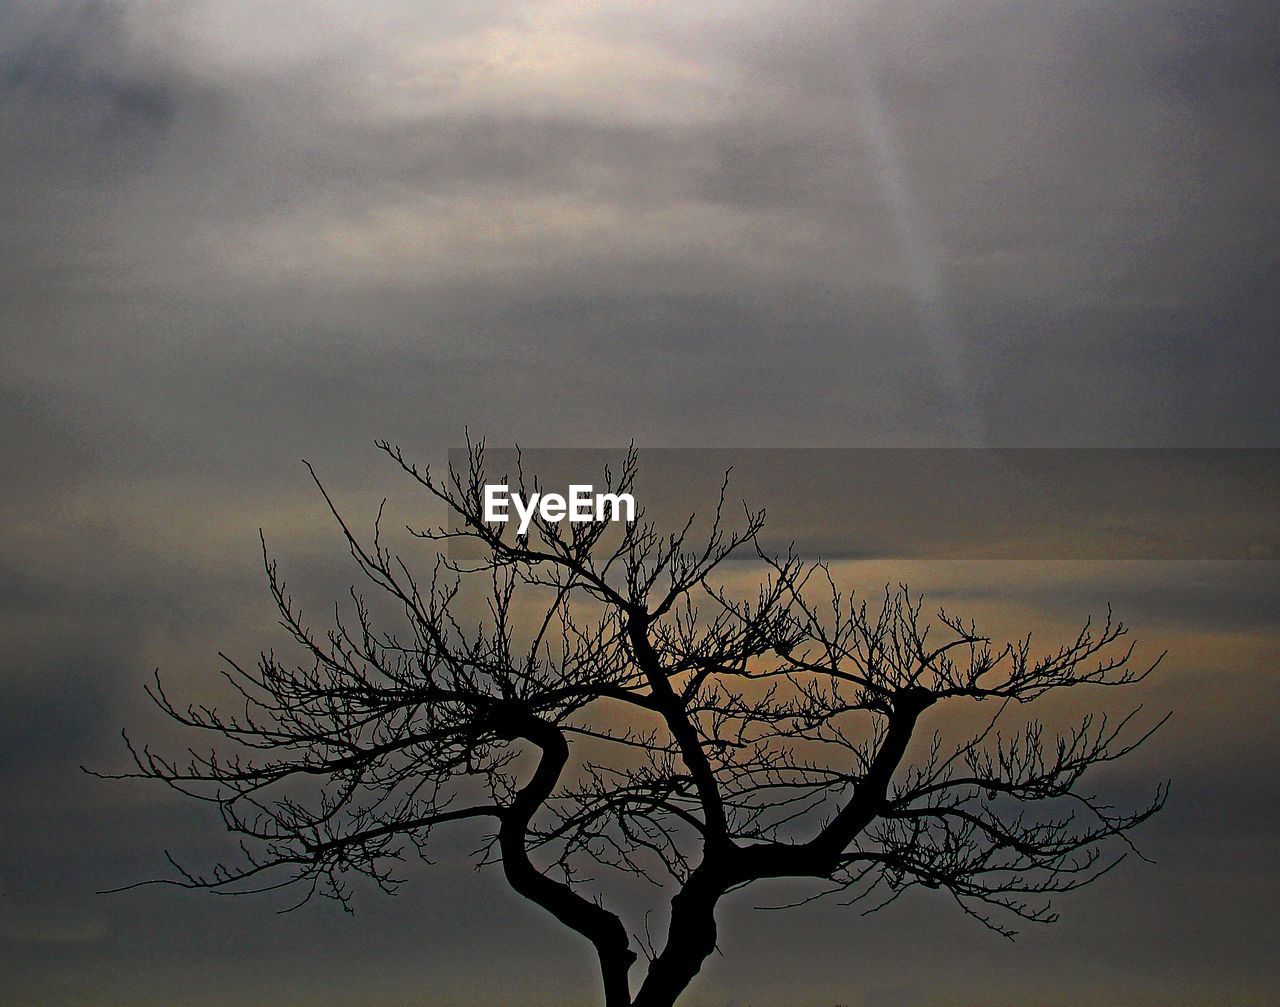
[727, 739]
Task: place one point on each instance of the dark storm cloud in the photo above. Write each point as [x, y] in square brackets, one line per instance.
[58, 75]
[66, 110]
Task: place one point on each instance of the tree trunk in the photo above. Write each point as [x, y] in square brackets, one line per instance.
[601, 927]
[690, 940]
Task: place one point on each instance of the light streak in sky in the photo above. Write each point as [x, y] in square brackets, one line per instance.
[923, 280]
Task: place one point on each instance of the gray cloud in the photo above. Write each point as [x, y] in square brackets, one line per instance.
[238, 234]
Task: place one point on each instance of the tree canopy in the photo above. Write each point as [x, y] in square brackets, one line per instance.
[618, 701]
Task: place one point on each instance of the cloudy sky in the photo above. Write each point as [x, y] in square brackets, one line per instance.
[235, 235]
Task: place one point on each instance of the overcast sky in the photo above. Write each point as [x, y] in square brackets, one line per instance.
[235, 234]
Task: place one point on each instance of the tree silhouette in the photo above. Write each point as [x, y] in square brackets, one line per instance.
[618, 705]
